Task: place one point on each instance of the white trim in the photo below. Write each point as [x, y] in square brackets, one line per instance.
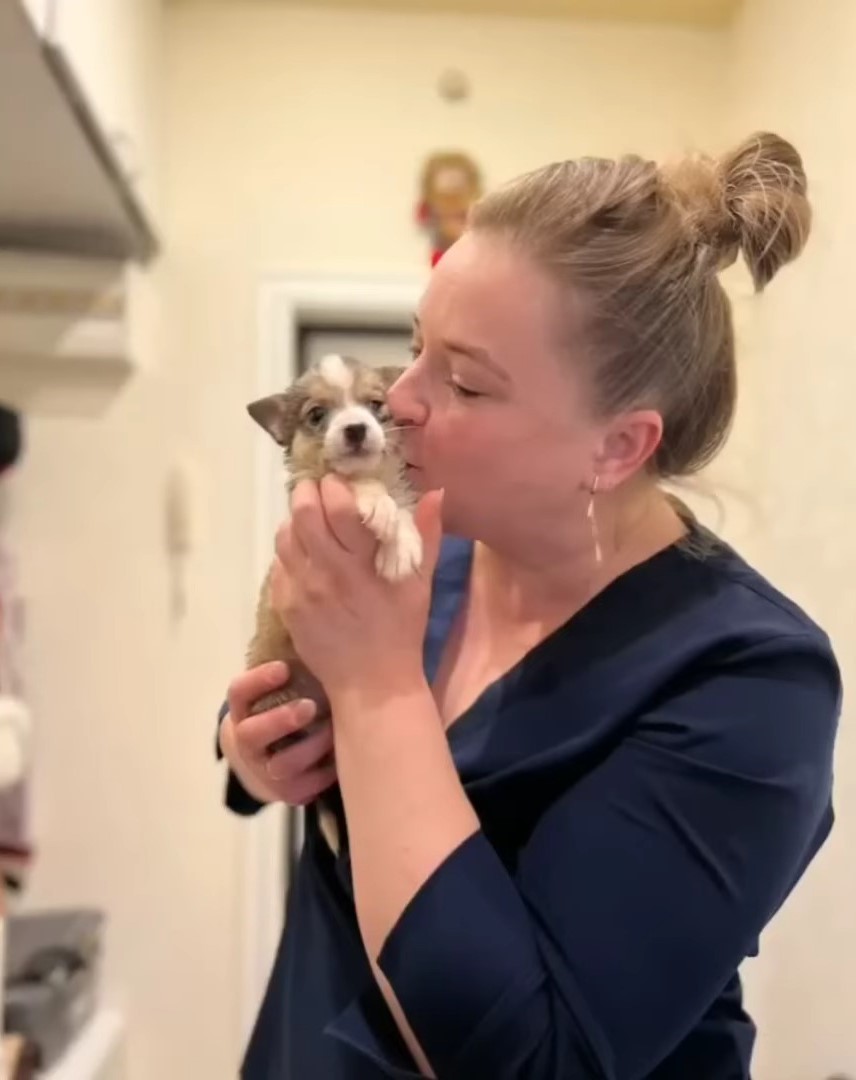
[283, 304]
[96, 1053]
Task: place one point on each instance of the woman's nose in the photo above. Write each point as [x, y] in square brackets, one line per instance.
[405, 402]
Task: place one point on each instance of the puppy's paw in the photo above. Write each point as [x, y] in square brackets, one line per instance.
[379, 512]
[400, 556]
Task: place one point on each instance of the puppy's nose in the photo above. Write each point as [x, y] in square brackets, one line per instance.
[355, 434]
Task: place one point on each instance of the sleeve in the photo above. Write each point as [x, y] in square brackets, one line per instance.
[639, 892]
[236, 797]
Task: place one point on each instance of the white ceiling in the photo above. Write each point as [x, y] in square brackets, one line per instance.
[694, 12]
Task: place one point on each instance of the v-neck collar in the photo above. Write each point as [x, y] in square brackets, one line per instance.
[600, 622]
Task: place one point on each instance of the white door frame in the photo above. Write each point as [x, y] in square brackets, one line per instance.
[284, 303]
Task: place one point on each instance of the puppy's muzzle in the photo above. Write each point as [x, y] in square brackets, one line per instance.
[355, 436]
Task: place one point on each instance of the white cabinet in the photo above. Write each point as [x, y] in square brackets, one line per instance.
[78, 144]
[98, 1053]
[114, 51]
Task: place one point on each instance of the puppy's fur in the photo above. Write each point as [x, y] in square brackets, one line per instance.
[334, 418]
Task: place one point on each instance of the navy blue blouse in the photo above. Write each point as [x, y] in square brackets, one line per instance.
[651, 782]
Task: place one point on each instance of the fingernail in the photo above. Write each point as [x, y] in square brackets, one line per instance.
[273, 773]
[308, 709]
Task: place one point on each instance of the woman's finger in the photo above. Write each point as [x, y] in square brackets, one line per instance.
[290, 552]
[295, 572]
[280, 585]
[251, 685]
[310, 532]
[256, 733]
[313, 784]
[429, 521]
[343, 517]
[303, 756]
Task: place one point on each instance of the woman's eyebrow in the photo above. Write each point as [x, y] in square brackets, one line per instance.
[479, 355]
[472, 352]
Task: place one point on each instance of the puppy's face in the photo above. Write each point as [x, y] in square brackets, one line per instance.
[333, 419]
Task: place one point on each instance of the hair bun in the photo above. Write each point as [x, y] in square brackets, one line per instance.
[752, 200]
[764, 194]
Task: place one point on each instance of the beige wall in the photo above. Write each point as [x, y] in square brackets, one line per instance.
[293, 140]
[793, 70]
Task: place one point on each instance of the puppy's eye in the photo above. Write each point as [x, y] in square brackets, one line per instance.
[316, 414]
[378, 406]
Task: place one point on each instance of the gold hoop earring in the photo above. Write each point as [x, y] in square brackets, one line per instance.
[592, 519]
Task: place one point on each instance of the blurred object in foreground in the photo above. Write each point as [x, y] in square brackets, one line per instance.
[15, 844]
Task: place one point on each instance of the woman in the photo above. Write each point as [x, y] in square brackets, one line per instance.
[577, 778]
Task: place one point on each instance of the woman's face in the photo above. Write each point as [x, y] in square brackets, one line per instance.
[497, 408]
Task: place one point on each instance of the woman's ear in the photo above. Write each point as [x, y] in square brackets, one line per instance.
[628, 444]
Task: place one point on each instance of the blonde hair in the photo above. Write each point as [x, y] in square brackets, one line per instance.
[642, 246]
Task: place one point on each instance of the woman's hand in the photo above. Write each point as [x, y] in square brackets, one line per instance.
[356, 631]
[295, 775]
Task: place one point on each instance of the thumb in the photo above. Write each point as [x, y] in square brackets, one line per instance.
[428, 517]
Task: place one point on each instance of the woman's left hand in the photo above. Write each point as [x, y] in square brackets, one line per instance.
[353, 629]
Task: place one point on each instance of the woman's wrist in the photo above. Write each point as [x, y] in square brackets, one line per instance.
[397, 684]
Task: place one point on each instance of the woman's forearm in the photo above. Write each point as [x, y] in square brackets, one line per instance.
[405, 806]
[406, 812]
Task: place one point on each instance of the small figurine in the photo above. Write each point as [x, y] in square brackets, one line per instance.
[451, 183]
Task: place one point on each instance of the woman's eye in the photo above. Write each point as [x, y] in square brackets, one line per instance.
[463, 391]
[414, 349]
[316, 415]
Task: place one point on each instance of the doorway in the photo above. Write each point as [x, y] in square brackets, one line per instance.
[300, 319]
[370, 344]
[374, 345]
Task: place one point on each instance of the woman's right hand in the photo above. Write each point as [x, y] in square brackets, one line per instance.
[296, 774]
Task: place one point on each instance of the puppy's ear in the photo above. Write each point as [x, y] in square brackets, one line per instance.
[390, 374]
[278, 414]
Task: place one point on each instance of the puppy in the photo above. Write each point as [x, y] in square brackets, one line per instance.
[334, 418]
